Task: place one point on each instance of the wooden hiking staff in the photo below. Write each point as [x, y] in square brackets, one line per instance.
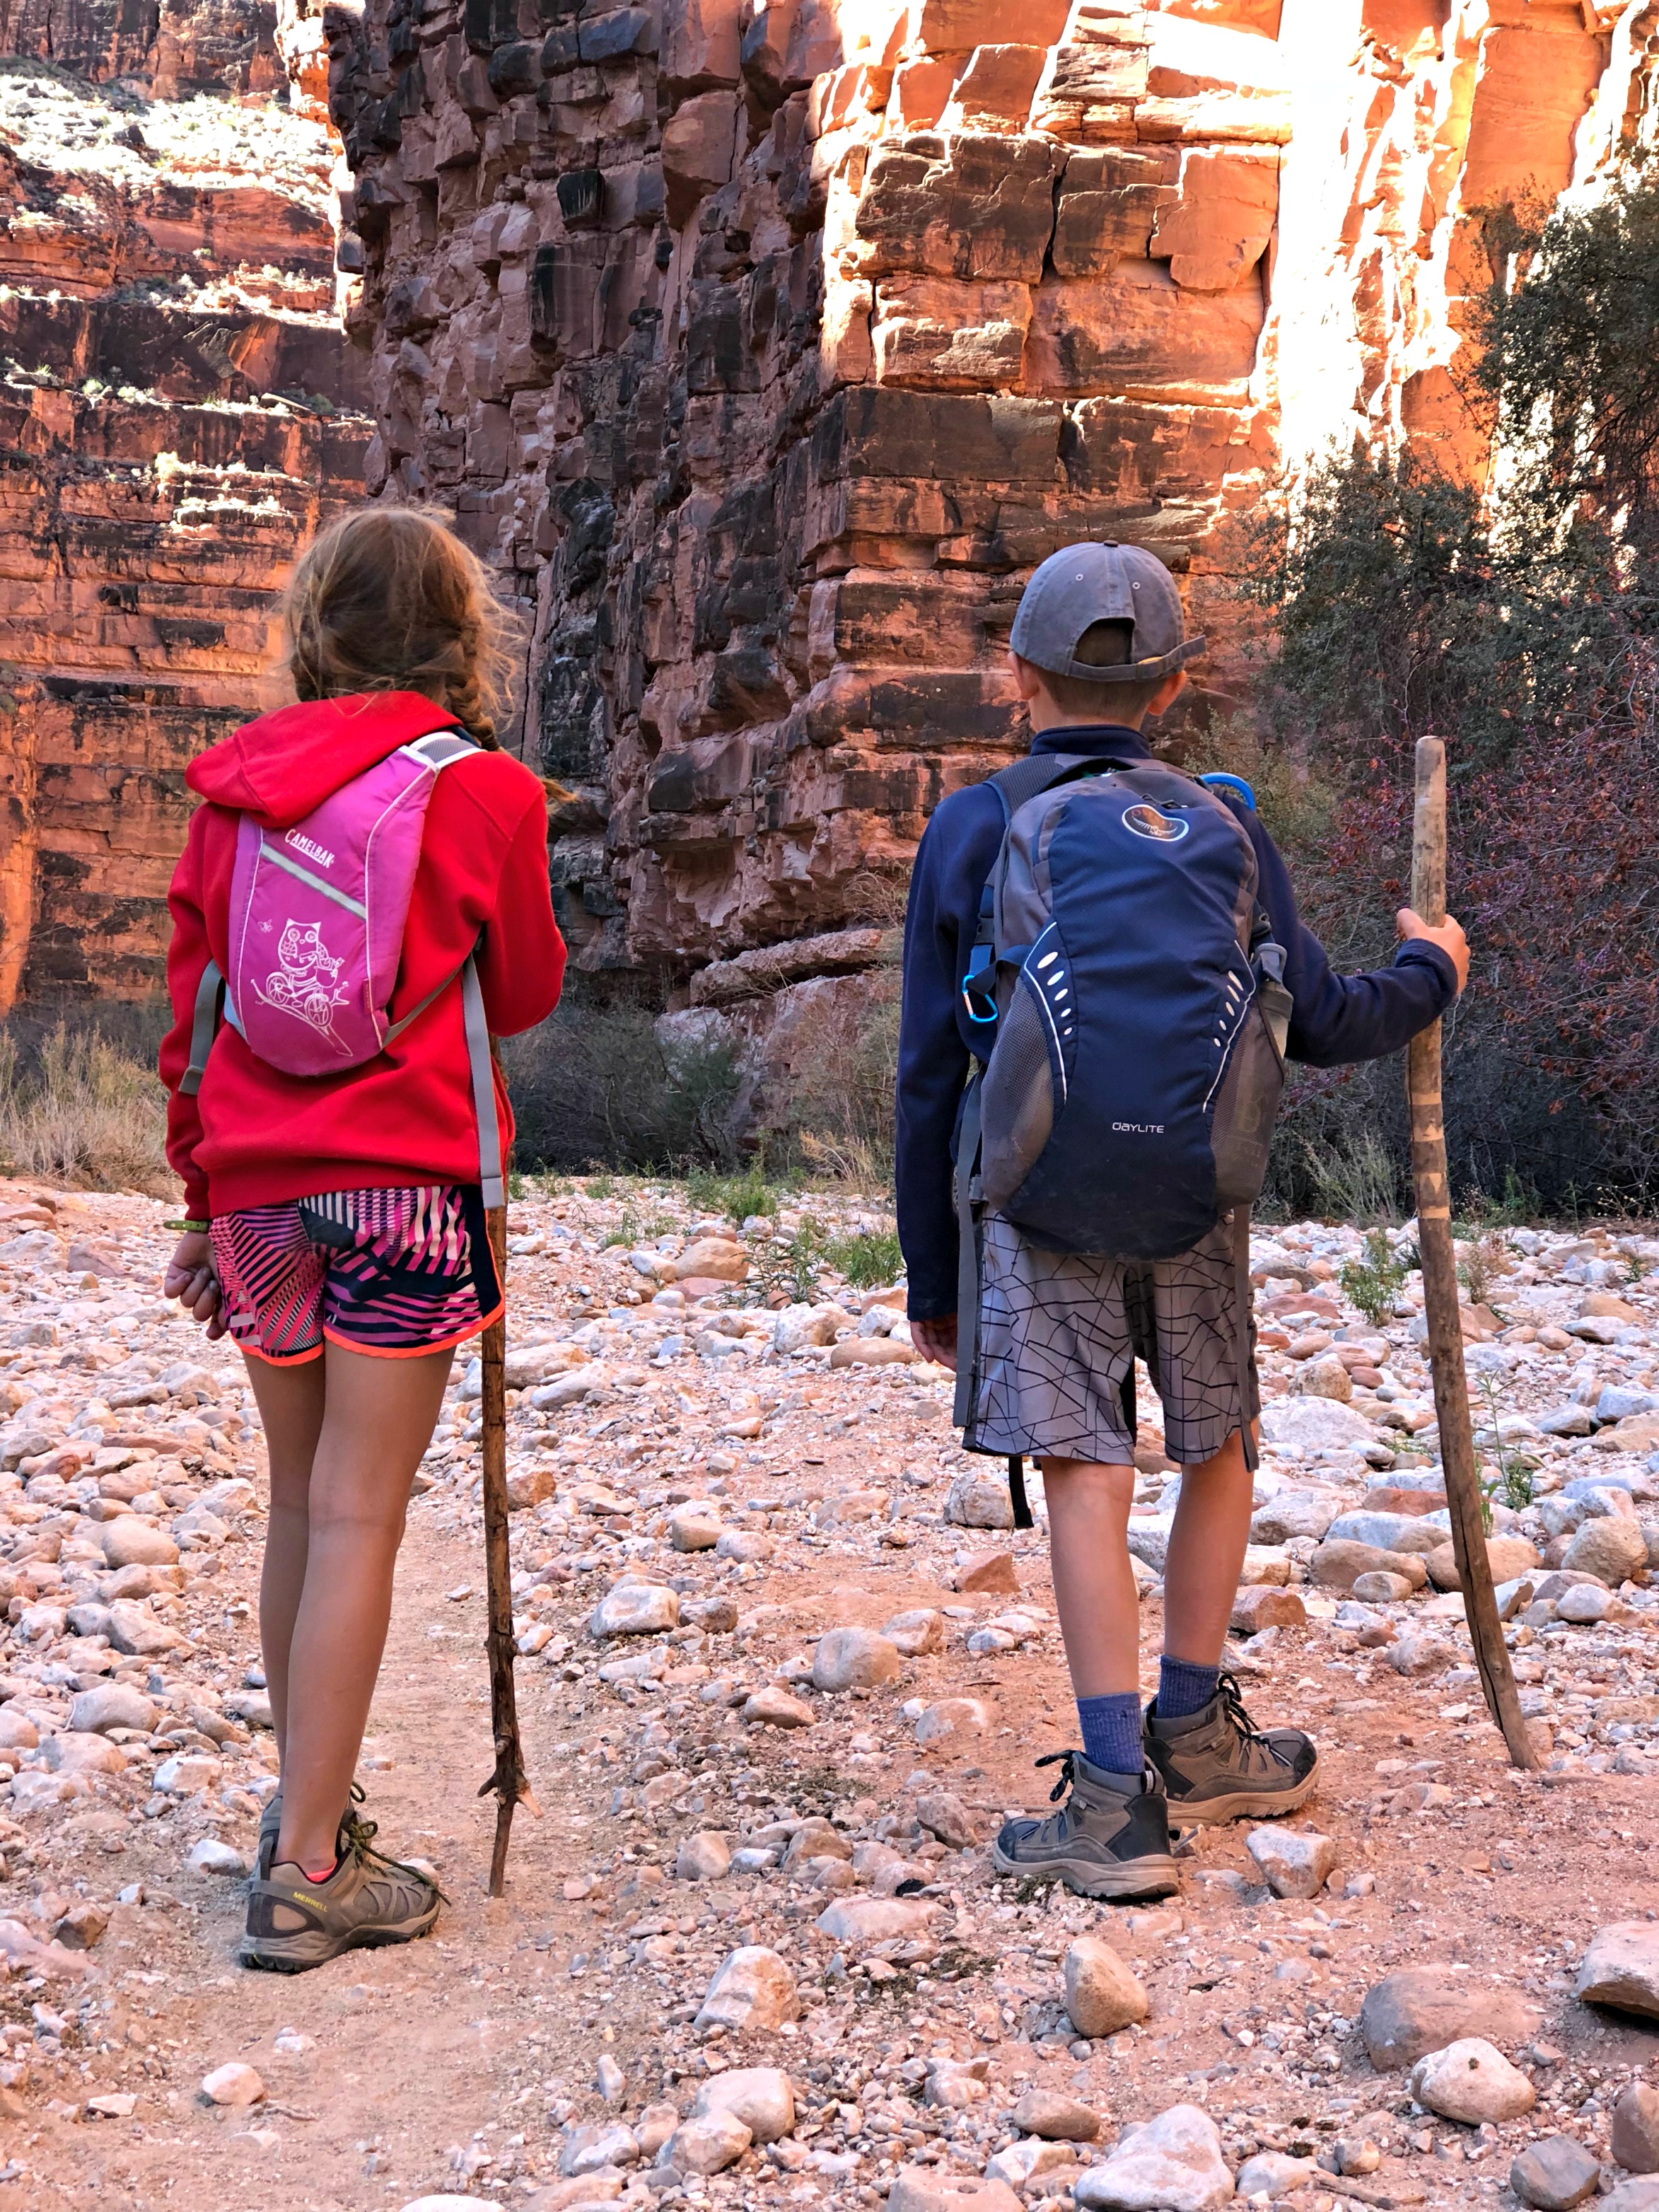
[508, 1781]
[1434, 1243]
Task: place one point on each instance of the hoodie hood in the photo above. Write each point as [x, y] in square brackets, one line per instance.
[282, 767]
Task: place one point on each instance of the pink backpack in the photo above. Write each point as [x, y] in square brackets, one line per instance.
[317, 917]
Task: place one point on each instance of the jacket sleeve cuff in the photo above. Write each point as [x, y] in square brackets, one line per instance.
[196, 1202]
[1418, 953]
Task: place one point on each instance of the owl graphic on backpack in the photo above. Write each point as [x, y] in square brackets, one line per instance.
[307, 982]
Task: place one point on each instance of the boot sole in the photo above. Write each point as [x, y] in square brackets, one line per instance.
[1136, 1878]
[1243, 1804]
[298, 1955]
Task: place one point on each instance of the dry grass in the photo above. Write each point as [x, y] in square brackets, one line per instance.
[87, 1116]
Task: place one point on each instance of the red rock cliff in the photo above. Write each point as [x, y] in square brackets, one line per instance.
[764, 350]
[179, 407]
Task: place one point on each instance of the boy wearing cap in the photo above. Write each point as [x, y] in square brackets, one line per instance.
[1099, 644]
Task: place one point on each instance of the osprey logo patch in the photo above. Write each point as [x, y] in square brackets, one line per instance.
[1162, 829]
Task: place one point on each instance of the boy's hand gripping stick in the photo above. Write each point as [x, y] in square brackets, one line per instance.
[1434, 1240]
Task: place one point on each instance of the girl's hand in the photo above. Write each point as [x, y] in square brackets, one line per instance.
[191, 1279]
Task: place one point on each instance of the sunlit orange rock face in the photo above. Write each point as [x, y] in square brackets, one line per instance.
[764, 350]
[179, 407]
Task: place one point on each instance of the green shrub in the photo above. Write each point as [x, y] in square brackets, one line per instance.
[866, 1258]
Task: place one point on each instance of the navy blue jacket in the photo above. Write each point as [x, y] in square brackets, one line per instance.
[1337, 1017]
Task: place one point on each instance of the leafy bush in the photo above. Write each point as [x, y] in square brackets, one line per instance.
[1373, 1283]
[866, 1258]
[592, 1087]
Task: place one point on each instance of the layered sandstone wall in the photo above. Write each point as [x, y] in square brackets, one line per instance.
[178, 409]
[764, 350]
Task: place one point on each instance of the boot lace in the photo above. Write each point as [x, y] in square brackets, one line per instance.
[1233, 1701]
[359, 1839]
[1066, 1762]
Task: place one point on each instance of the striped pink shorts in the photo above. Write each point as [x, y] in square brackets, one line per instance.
[394, 1273]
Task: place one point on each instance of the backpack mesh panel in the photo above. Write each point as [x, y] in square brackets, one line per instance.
[1019, 1099]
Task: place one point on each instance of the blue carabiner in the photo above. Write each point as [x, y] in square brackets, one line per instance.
[1232, 783]
[978, 960]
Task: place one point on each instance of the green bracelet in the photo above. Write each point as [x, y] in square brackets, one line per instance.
[189, 1228]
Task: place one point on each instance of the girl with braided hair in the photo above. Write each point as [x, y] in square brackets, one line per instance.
[334, 1223]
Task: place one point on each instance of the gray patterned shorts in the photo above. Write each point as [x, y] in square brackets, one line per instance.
[1060, 1332]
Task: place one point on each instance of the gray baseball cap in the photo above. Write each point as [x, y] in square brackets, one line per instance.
[1085, 584]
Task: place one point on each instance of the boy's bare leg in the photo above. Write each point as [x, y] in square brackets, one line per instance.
[1207, 1555]
[290, 1402]
[378, 1419]
[1095, 1593]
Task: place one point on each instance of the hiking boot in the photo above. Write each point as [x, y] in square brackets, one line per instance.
[1217, 1764]
[1110, 1839]
[270, 1828]
[294, 1923]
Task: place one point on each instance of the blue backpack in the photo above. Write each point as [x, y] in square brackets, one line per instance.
[1135, 995]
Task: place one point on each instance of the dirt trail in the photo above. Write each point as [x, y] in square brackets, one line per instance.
[471, 2062]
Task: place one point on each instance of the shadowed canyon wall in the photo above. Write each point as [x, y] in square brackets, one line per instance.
[178, 409]
[762, 351]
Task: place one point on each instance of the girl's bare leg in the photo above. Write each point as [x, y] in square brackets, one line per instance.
[377, 1417]
[290, 1402]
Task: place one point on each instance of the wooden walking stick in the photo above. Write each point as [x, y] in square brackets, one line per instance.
[508, 1781]
[1434, 1241]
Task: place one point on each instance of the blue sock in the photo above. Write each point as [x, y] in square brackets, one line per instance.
[1184, 1689]
[1111, 1732]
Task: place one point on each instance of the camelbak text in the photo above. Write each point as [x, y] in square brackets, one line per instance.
[1139, 1128]
[310, 847]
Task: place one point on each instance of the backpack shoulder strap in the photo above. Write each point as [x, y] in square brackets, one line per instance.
[1039, 772]
[441, 748]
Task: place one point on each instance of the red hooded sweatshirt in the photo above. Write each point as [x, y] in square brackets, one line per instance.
[254, 1136]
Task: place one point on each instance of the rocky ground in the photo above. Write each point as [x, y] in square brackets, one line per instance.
[783, 1672]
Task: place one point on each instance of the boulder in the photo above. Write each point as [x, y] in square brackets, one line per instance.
[853, 1659]
[1314, 1424]
[695, 1527]
[916, 1633]
[863, 1920]
[1388, 1531]
[1555, 2174]
[129, 1542]
[925, 2188]
[703, 1857]
[635, 1609]
[1294, 1863]
[752, 1987]
[84, 1754]
[760, 2096]
[1276, 2173]
[1055, 2118]
[1419, 2009]
[110, 1706]
[1471, 2081]
[234, 2084]
[951, 1716]
[979, 1501]
[1620, 1968]
[774, 1707]
[141, 1634]
[1635, 2139]
[1508, 1556]
[1267, 1605]
[991, 1574]
[946, 1818]
[1338, 1565]
[707, 2144]
[1171, 2164]
[1294, 1513]
[1610, 1547]
[1102, 1994]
